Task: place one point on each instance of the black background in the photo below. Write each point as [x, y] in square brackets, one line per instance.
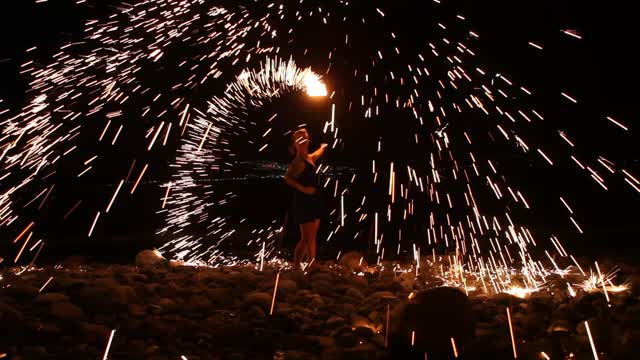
[600, 70]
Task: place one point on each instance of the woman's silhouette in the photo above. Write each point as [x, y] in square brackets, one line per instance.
[307, 207]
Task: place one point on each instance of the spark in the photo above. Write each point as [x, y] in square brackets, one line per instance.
[535, 45]
[617, 123]
[513, 341]
[45, 284]
[572, 33]
[593, 345]
[95, 220]
[106, 351]
[133, 189]
[455, 350]
[573, 100]
[275, 289]
[115, 193]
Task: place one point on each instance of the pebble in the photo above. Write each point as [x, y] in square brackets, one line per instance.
[49, 298]
[352, 260]
[261, 299]
[149, 258]
[354, 293]
[163, 312]
[335, 321]
[9, 314]
[66, 311]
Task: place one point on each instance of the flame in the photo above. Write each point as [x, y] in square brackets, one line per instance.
[313, 86]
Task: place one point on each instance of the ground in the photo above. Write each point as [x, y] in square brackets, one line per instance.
[331, 312]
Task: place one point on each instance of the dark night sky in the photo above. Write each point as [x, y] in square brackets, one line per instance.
[600, 70]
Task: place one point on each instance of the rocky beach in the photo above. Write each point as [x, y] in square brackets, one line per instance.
[343, 310]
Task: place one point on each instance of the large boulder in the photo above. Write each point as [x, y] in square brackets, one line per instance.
[435, 316]
[150, 258]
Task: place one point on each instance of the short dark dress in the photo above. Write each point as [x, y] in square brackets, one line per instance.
[306, 208]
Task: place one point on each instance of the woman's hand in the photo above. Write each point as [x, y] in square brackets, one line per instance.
[309, 190]
[318, 153]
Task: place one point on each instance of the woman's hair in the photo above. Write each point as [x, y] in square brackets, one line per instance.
[293, 149]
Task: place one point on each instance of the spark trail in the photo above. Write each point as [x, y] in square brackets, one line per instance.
[104, 92]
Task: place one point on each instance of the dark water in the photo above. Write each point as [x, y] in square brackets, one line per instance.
[132, 224]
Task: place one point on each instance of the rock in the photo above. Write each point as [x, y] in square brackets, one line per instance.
[406, 280]
[330, 354]
[505, 299]
[358, 321]
[35, 352]
[533, 323]
[133, 278]
[46, 331]
[136, 346]
[198, 303]
[363, 332]
[352, 260]
[561, 326]
[49, 298]
[322, 287]
[176, 263]
[136, 310]
[66, 311]
[625, 342]
[207, 275]
[322, 276]
[9, 315]
[383, 295]
[22, 291]
[95, 334]
[287, 285]
[335, 322]
[323, 341]
[106, 296]
[166, 304]
[74, 260]
[296, 276]
[363, 351]
[150, 258]
[347, 339]
[600, 329]
[354, 293]
[316, 302]
[357, 281]
[220, 296]
[256, 312]
[347, 309]
[634, 283]
[261, 299]
[79, 350]
[484, 329]
[436, 316]
[393, 286]
[151, 349]
[296, 355]
[245, 278]
[66, 283]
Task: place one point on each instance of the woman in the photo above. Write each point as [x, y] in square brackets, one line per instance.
[307, 207]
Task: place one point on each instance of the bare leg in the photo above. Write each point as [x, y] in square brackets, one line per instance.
[301, 249]
[308, 231]
[313, 232]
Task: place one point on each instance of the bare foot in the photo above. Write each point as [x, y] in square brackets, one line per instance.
[313, 266]
[296, 266]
